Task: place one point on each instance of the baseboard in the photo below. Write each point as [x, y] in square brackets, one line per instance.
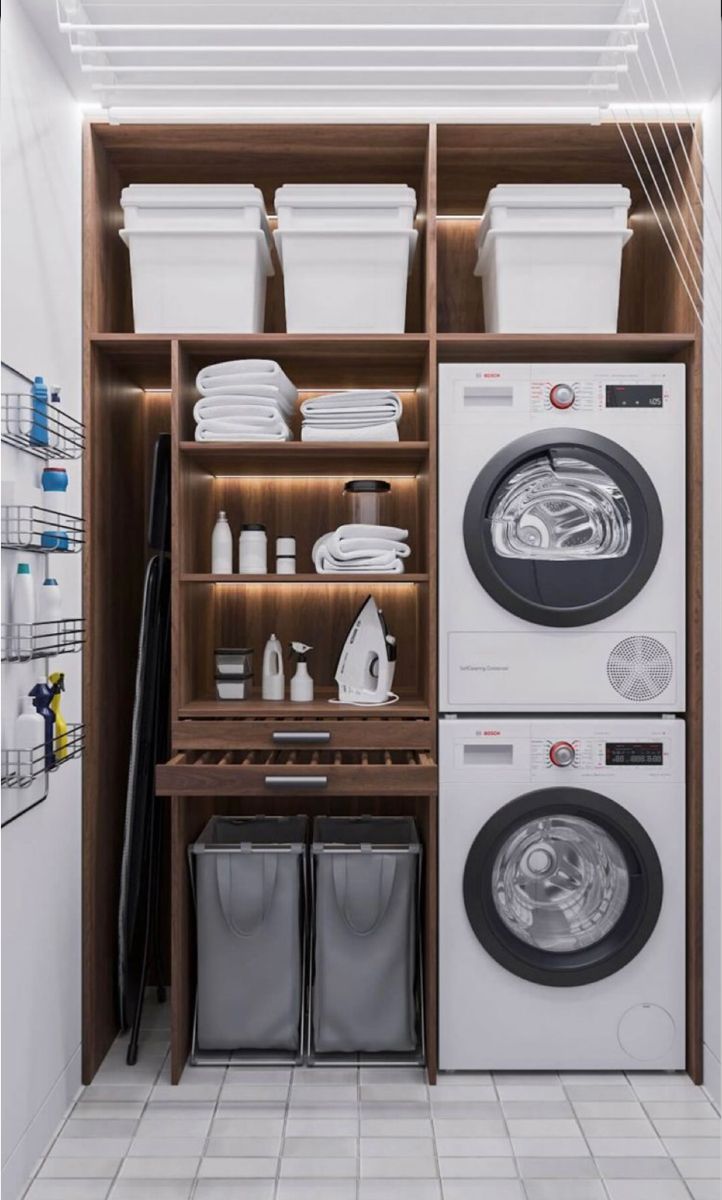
[712, 1076]
[34, 1143]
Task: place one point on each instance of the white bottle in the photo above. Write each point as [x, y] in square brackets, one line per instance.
[301, 682]
[50, 612]
[22, 611]
[253, 550]
[29, 736]
[222, 547]
[273, 683]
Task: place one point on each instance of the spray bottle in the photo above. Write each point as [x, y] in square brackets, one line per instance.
[57, 682]
[42, 694]
[301, 682]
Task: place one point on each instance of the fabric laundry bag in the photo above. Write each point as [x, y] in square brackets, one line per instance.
[249, 889]
[365, 936]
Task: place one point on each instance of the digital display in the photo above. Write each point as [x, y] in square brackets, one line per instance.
[635, 754]
[634, 395]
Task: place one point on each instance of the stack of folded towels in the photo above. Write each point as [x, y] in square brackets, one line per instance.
[362, 549]
[354, 416]
[242, 401]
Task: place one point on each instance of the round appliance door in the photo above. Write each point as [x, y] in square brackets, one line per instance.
[563, 528]
[563, 887]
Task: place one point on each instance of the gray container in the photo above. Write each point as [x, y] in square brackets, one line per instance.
[249, 877]
[365, 971]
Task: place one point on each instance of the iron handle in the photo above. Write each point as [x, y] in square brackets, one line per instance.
[306, 783]
[286, 738]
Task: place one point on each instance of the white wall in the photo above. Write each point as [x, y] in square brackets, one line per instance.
[41, 334]
[712, 605]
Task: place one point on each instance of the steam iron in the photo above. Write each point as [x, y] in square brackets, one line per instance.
[366, 664]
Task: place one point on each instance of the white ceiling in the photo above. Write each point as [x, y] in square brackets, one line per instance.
[342, 55]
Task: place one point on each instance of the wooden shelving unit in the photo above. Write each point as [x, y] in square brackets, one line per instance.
[139, 385]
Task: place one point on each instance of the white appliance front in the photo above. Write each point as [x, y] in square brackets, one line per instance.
[561, 894]
[562, 547]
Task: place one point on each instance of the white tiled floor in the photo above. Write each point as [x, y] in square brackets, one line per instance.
[376, 1134]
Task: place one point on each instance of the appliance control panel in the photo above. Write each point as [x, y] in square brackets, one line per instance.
[606, 389]
[608, 755]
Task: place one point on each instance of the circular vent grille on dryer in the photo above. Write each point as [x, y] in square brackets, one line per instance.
[639, 668]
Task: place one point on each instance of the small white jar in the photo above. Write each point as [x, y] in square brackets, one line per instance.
[253, 550]
[285, 556]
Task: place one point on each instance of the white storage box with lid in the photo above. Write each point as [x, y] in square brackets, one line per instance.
[550, 257]
[343, 206]
[199, 257]
[345, 281]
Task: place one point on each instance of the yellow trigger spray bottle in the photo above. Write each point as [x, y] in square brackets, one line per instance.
[57, 682]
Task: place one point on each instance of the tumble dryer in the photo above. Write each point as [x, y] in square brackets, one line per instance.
[561, 893]
[562, 547]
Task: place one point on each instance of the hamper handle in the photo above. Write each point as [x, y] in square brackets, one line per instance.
[382, 884]
[246, 898]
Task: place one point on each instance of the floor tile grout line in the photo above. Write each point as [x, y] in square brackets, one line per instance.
[430, 1111]
[500, 1102]
[568, 1099]
[284, 1126]
[644, 1110]
[358, 1129]
[196, 1178]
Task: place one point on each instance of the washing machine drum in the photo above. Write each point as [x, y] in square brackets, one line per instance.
[563, 887]
[563, 528]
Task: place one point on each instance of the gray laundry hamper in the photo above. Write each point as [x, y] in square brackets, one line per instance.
[249, 876]
[365, 982]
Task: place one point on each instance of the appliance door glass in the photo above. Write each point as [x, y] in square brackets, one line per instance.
[563, 528]
[563, 886]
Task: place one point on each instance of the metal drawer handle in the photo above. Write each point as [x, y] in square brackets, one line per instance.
[309, 738]
[307, 783]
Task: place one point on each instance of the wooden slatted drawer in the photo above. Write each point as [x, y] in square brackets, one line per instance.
[263, 772]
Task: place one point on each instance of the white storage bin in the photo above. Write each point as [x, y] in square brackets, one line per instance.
[555, 206]
[345, 206]
[346, 281]
[194, 206]
[189, 280]
[551, 282]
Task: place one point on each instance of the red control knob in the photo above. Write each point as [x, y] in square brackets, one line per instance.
[562, 395]
[562, 754]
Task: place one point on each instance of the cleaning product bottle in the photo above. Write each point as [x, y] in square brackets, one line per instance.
[273, 680]
[55, 430]
[57, 685]
[222, 547]
[29, 735]
[49, 615]
[22, 611]
[301, 682]
[54, 482]
[42, 694]
[39, 426]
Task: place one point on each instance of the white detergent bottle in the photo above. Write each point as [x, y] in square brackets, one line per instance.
[222, 547]
[50, 611]
[301, 682]
[29, 736]
[22, 610]
[273, 681]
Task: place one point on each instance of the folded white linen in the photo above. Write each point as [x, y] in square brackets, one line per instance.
[361, 548]
[337, 403]
[210, 432]
[252, 394]
[242, 371]
[362, 433]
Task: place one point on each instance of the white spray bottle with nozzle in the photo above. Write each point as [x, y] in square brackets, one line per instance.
[301, 682]
[273, 682]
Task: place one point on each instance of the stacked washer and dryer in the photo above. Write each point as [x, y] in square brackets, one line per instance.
[562, 688]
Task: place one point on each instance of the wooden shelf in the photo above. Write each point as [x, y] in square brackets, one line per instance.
[320, 707]
[306, 458]
[313, 577]
[557, 347]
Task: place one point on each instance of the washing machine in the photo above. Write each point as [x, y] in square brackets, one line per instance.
[562, 537]
[562, 894]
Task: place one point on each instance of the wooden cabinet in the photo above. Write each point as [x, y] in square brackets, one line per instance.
[225, 753]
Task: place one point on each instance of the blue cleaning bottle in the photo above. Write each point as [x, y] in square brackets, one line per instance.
[42, 694]
[39, 426]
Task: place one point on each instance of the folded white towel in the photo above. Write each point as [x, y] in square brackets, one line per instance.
[250, 395]
[227, 376]
[211, 432]
[361, 548]
[363, 433]
[336, 404]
